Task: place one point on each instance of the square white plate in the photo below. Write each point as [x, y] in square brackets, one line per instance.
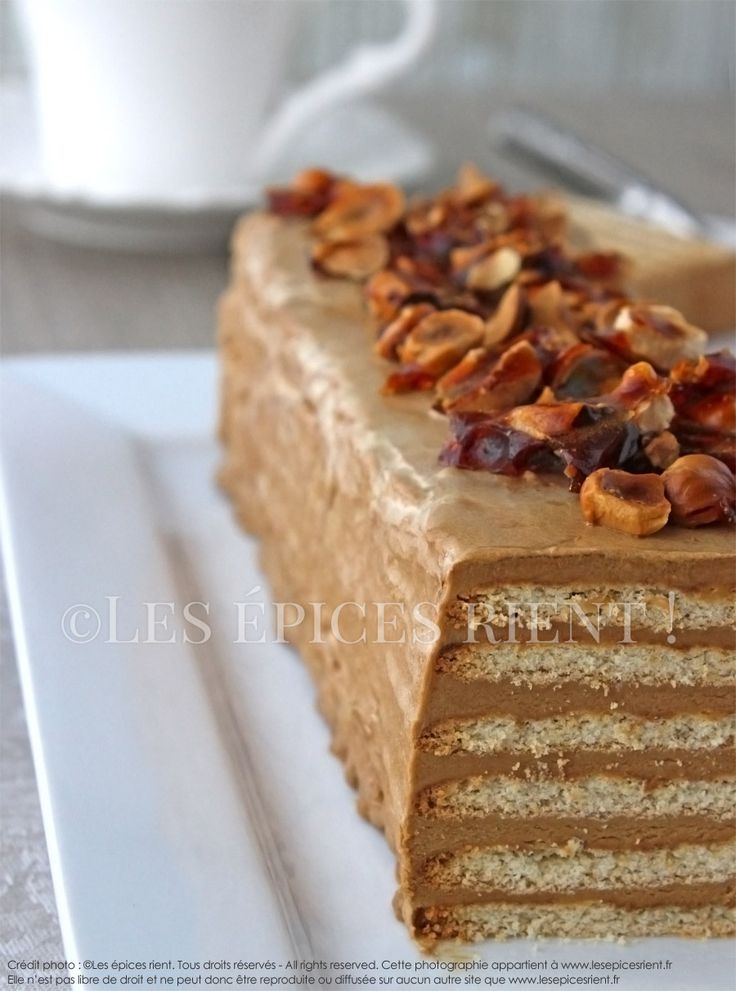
[191, 808]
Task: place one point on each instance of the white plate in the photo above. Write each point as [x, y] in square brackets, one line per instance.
[191, 807]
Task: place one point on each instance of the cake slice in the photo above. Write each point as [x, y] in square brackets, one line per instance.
[538, 713]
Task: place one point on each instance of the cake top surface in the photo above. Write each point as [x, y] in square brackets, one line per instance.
[473, 515]
[470, 516]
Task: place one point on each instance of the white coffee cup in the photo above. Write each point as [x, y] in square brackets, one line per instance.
[150, 100]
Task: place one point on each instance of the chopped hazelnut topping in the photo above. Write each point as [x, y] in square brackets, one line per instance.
[411, 378]
[386, 291]
[549, 308]
[634, 504]
[351, 259]
[701, 490]
[441, 339]
[466, 376]
[704, 392]
[662, 449]
[607, 267]
[313, 181]
[396, 332]
[507, 317]
[644, 394]
[511, 379]
[582, 370]
[357, 211]
[465, 256]
[495, 271]
[550, 215]
[545, 420]
[541, 360]
[425, 217]
[472, 186]
[660, 334]
[493, 218]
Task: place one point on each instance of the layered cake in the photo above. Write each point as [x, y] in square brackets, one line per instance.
[500, 487]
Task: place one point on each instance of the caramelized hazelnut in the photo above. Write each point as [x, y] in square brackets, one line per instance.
[461, 258]
[609, 268]
[701, 490]
[425, 216]
[549, 308]
[511, 379]
[543, 420]
[386, 291]
[472, 186]
[662, 449]
[493, 218]
[360, 210]
[351, 259]
[313, 181]
[441, 339]
[468, 374]
[507, 317]
[660, 334]
[421, 274]
[550, 215]
[634, 504]
[582, 370]
[400, 327]
[495, 271]
[644, 395]
[409, 379]
[704, 392]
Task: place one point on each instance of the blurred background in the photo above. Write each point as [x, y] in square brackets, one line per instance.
[127, 151]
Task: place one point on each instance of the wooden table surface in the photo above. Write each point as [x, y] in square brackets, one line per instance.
[57, 297]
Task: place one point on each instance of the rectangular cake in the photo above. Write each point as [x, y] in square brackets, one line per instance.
[538, 712]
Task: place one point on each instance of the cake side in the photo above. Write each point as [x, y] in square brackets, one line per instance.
[575, 775]
[298, 470]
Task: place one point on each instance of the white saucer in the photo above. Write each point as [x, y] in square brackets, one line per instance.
[361, 139]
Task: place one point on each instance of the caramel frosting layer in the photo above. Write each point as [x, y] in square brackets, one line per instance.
[692, 895]
[454, 697]
[435, 836]
[651, 767]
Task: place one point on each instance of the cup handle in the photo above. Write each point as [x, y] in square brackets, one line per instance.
[366, 69]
